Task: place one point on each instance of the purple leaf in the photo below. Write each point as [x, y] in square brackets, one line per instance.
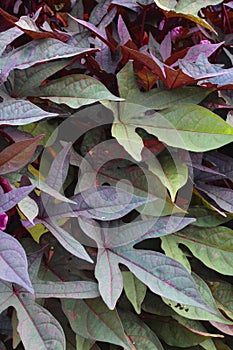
[205, 49]
[10, 199]
[161, 274]
[67, 241]
[102, 202]
[221, 195]
[123, 31]
[37, 51]
[206, 72]
[166, 47]
[13, 262]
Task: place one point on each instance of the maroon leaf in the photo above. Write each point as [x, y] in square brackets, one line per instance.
[18, 154]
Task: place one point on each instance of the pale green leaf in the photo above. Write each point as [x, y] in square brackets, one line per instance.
[213, 246]
[171, 248]
[75, 91]
[172, 172]
[92, 319]
[134, 289]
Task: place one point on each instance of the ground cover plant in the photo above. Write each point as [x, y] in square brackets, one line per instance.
[116, 175]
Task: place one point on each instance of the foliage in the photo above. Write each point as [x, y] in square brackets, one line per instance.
[116, 175]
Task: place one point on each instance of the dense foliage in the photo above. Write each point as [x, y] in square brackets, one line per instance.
[116, 175]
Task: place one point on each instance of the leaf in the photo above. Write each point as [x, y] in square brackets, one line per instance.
[17, 155]
[188, 7]
[101, 202]
[38, 51]
[155, 98]
[207, 73]
[173, 333]
[206, 218]
[140, 335]
[26, 80]
[21, 112]
[225, 328]
[213, 246]
[92, 319]
[29, 208]
[222, 293]
[13, 262]
[8, 36]
[10, 199]
[134, 289]
[221, 195]
[192, 128]
[171, 281]
[38, 324]
[83, 343]
[171, 248]
[172, 172]
[75, 90]
[66, 240]
[170, 77]
[195, 313]
[74, 289]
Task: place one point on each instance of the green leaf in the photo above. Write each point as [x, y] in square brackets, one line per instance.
[172, 280]
[92, 319]
[172, 172]
[191, 127]
[134, 289]
[21, 112]
[195, 313]
[173, 333]
[190, 7]
[75, 91]
[155, 98]
[83, 343]
[206, 218]
[222, 293]
[29, 208]
[141, 336]
[213, 246]
[171, 248]
[25, 81]
[8, 36]
[74, 289]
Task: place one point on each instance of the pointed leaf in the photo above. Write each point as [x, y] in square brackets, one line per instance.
[134, 289]
[67, 241]
[141, 336]
[195, 313]
[38, 324]
[221, 195]
[13, 262]
[21, 112]
[75, 90]
[93, 320]
[102, 202]
[74, 290]
[213, 246]
[17, 155]
[8, 36]
[37, 51]
[10, 199]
